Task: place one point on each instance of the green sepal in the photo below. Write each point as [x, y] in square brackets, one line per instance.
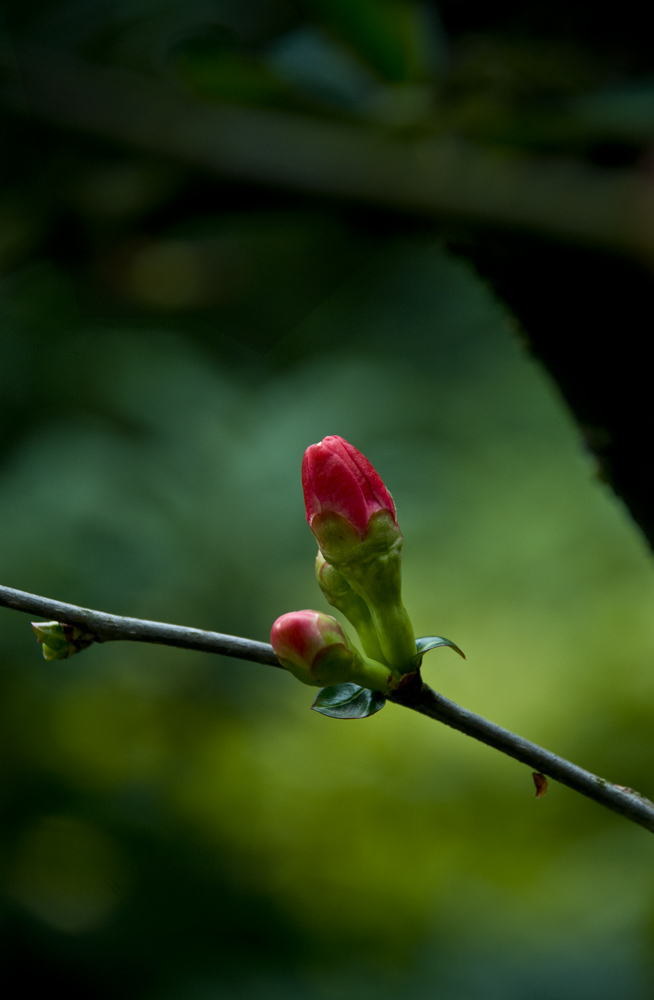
[59, 640]
[348, 701]
[427, 642]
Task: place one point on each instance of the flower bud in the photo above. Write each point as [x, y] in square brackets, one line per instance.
[340, 595]
[314, 648]
[352, 515]
[340, 483]
[60, 641]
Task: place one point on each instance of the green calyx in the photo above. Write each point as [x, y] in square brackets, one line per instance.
[372, 568]
[340, 595]
[342, 664]
[339, 540]
[60, 641]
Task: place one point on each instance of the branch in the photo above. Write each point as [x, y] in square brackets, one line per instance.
[625, 801]
[98, 626]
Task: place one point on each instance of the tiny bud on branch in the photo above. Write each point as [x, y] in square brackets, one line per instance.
[315, 649]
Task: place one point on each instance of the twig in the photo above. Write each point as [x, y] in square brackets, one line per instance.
[102, 627]
[625, 801]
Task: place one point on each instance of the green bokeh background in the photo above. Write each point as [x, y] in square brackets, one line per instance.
[181, 827]
[188, 816]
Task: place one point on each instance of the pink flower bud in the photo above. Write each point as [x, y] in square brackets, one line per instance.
[300, 636]
[352, 517]
[338, 479]
[314, 648]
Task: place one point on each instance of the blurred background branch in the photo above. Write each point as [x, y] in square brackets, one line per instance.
[433, 173]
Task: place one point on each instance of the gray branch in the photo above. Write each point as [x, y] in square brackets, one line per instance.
[625, 801]
[101, 627]
[98, 626]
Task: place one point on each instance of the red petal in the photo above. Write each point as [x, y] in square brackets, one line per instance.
[336, 477]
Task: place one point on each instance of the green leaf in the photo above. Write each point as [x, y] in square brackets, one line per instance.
[61, 640]
[427, 642]
[348, 701]
[56, 644]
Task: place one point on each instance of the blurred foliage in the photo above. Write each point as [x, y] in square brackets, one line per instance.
[181, 827]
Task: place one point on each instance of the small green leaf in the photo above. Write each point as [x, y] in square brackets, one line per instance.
[427, 642]
[348, 701]
[61, 640]
[56, 644]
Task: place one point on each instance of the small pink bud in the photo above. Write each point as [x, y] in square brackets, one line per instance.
[314, 647]
[299, 636]
[338, 479]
